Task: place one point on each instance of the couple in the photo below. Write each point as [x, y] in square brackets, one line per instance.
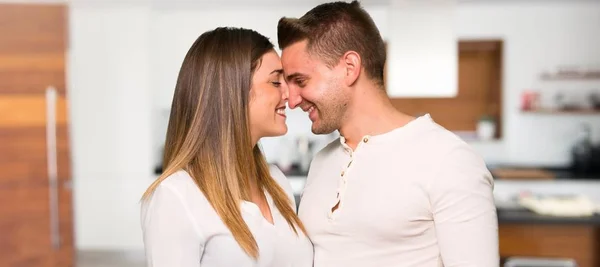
[393, 190]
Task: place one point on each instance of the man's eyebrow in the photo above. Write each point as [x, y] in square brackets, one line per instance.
[293, 75]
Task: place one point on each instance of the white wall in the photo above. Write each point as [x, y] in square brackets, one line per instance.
[537, 36]
[110, 103]
[124, 61]
[174, 31]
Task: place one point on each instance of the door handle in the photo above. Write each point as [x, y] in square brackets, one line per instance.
[51, 155]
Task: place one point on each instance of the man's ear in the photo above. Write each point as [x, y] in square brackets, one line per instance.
[353, 66]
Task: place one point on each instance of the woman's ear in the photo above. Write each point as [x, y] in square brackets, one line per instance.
[353, 66]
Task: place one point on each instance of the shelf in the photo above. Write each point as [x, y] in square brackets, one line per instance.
[570, 76]
[567, 111]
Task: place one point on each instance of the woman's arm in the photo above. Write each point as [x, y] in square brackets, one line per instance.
[171, 236]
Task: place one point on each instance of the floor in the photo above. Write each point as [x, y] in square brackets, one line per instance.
[109, 259]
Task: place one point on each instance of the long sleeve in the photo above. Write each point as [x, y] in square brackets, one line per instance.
[171, 236]
[464, 212]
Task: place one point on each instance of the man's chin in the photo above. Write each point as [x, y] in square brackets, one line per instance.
[320, 130]
[315, 129]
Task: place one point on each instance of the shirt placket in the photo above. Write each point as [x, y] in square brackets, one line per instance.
[343, 181]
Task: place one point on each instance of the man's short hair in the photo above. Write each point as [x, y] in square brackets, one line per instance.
[333, 29]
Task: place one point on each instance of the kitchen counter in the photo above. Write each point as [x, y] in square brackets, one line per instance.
[528, 217]
[524, 233]
[549, 172]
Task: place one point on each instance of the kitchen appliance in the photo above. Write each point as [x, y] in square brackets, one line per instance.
[585, 157]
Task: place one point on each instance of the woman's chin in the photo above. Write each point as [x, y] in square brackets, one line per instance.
[279, 130]
[283, 129]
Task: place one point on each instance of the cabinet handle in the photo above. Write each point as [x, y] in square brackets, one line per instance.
[51, 155]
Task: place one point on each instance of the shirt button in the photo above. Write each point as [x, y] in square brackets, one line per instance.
[343, 173]
[366, 139]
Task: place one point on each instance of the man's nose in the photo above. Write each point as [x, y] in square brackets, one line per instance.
[294, 97]
[285, 92]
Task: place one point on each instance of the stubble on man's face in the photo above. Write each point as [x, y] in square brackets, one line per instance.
[318, 85]
[331, 108]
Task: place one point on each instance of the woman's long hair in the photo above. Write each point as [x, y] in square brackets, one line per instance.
[209, 135]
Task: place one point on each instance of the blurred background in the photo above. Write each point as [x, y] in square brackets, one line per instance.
[86, 87]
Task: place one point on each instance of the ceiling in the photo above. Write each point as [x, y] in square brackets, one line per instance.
[224, 3]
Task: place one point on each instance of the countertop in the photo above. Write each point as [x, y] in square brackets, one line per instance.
[528, 217]
[557, 172]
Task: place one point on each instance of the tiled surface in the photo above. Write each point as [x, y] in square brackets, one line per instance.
[110, 259]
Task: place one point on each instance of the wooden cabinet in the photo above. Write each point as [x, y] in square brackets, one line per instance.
[580, 242]
[479, 90]
[36, 225]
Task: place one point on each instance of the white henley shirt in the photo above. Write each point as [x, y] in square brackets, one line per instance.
[417, 196]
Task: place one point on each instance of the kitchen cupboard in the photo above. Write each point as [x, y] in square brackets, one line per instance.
[479, 90]
[579, 241]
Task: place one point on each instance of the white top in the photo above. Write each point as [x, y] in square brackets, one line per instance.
[181, 229]
[415, 196]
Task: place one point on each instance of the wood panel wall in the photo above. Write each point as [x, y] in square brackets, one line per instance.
[33, 44]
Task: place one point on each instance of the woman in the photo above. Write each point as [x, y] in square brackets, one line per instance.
[218, 203]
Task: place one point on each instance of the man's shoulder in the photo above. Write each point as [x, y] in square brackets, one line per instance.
[328, 150]
[439, 139]
[437, 145]
[448, 153]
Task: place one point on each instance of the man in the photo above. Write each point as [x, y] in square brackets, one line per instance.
[394, 190]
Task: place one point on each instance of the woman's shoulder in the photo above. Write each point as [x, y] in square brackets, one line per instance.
[178, 180]
[182, 185]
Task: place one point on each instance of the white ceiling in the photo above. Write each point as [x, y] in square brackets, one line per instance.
[259, 2]
[178, 4]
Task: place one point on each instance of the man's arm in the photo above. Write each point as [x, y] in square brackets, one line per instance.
[464, 212]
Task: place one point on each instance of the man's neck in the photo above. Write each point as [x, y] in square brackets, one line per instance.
[371, 113]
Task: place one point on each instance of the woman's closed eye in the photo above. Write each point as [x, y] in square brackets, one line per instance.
[276, 84]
